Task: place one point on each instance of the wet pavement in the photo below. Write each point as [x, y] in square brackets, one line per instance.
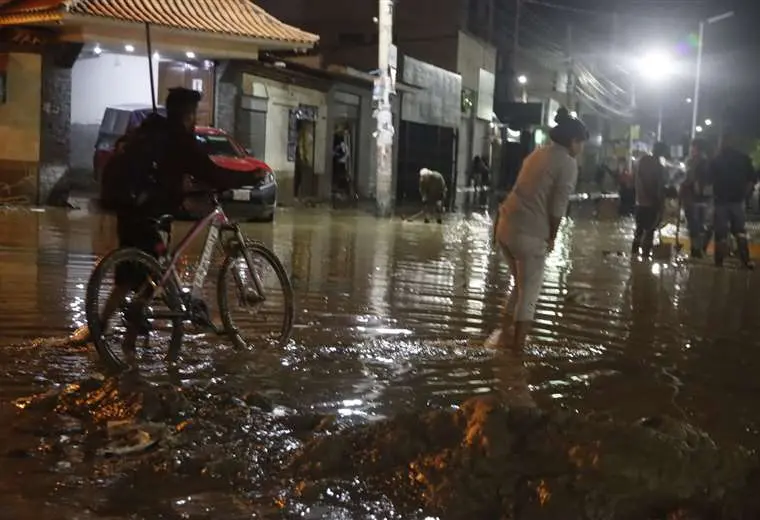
[391, 317]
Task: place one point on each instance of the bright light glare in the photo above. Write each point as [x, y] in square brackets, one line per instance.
[708, 122]
[129, 48]
[574, 114]
[156, 56]
[656, 65]
[699, 129]
[97, 50]
[689, 100]
[522, 79]
[190, 55]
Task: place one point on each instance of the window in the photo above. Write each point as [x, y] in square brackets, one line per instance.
[219, 145]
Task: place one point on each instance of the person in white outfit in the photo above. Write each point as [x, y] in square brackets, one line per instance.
[530, 217]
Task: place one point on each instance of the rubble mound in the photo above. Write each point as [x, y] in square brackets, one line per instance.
[484, 460]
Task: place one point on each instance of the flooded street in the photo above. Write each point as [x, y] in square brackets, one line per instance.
[390, 317]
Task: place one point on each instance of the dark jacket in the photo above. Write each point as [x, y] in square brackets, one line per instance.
[178, 155]
[697, 187]
[732, 174]
[650, 182]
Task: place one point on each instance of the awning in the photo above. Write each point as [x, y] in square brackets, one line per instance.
[237, 20]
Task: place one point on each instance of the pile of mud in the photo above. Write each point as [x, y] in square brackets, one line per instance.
[481, 460]
[486, 461]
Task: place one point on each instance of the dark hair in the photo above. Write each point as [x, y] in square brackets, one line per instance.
[568, 129]
[181, 102]
[660, 149]
[700, 145]
[729, 138]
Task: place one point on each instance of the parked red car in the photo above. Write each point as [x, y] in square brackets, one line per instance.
[255, 196]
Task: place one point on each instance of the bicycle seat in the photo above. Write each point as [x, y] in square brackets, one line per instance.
[164, 222]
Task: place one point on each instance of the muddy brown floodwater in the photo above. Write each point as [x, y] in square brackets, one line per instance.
[391, 317]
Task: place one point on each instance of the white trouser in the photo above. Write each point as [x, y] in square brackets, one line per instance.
[526, 256]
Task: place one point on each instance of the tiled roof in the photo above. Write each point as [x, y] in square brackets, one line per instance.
[231, 17]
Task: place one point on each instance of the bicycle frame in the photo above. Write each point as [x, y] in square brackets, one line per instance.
[216, 221]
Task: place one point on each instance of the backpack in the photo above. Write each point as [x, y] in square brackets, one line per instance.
[130, 177]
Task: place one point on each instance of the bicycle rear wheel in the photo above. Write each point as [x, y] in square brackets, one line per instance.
[126, 308]
[247, 313]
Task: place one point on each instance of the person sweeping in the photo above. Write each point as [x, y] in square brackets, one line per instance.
[433, 191]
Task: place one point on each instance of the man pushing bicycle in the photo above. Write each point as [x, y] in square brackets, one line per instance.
[145, 180]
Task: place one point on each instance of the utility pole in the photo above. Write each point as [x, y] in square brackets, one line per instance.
[659, 120]
[700, 51]
[384, 113]
[695, 101]
[570, 70]
[631, 125]
[516, 45]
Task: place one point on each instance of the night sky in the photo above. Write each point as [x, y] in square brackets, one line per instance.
[731, 69]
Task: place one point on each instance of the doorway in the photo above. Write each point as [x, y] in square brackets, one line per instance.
[424, 146]
[302, 132]
[344, 157]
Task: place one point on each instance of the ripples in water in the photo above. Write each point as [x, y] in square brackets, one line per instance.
[394, 316]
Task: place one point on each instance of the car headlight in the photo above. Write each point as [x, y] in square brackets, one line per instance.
[269, 177]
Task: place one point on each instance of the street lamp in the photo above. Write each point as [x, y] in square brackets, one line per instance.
[708, 122]
[656, 66]
[698, 129]
[522, 79]
[709, 21]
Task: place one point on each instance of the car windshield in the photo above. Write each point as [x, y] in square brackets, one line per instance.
[218, 145]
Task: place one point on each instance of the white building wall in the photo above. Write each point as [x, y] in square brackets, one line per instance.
[109, 79]
[98, 82]
[281, 99]
[476, 63]
[472, 55]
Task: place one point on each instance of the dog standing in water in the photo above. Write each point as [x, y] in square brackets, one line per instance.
[433, 192]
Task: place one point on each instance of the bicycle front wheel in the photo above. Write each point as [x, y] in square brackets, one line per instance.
[127, 308]
[255, 302]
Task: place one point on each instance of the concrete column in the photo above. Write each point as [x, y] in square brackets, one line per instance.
[55, 131]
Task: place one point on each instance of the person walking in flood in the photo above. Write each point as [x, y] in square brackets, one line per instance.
[696, 196]
[433, 191]
[530, 217]
[649, 180]
[733, 178]
[479, 174]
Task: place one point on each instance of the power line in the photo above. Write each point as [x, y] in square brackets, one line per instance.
[599, 12]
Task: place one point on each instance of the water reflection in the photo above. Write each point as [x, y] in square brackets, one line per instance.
[395, 315]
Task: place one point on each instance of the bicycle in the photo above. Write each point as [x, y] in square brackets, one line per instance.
[160, 285]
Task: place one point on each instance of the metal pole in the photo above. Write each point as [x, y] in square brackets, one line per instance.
[570, 70]
[516, 45]
[659, 122]
[384, 113]
[150, 67]
[697, 80]
[629, 159]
